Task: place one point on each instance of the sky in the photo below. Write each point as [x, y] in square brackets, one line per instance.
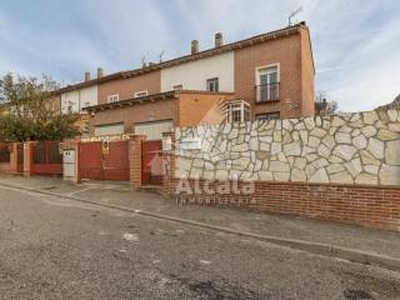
[356, 43]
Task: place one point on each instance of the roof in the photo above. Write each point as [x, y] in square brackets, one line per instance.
[131, 101]
[272, 35]
[148, 98]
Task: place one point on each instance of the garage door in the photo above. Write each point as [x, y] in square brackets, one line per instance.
[153, 130]
[109, 129]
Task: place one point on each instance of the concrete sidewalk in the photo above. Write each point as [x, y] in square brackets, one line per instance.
[368, 240]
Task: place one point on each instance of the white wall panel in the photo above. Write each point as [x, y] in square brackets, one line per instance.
[194, 75]
[78, 99]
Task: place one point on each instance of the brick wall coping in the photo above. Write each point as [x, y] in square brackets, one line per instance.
[299, 183]
[131, 101]
[203, 92]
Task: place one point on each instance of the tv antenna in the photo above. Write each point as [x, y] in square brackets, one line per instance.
[293, 14]
[161, 55]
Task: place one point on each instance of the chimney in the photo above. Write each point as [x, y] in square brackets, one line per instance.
[195, 46]
[100, 72]
[87, 76]
[218, 40]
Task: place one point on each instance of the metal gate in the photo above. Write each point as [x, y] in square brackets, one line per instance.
[47, 159]
[5, 153]
[104, 161]
[152, 163]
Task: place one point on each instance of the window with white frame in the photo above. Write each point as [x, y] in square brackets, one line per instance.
[113, 98]
[213, 84]
[267, 88]
[237, 111]
[141, 94]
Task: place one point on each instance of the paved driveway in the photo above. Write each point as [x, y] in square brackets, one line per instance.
[53, 248]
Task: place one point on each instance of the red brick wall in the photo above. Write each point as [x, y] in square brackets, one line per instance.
[296, 77]
[370, 206]
[126, 88]
[363, 205]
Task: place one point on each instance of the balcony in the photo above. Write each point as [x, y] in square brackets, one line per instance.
[267, 92]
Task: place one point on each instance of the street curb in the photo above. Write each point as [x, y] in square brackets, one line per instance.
[349, 254]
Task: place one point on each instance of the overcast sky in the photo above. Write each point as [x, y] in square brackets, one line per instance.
[356, 42]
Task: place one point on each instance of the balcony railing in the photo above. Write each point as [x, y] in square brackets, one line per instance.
[267, 92]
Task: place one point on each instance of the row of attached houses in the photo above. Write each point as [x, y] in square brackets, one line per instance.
[263, 77]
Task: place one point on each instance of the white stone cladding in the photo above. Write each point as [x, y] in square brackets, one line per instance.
[357, 148]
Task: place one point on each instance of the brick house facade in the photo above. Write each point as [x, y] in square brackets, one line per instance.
[181, 108]
[292, 57]
[126, 88]
[272, 74]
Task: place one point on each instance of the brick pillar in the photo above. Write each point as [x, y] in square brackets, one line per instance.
[135, 159]
[14, 158]
[169, 154]
[28, 158]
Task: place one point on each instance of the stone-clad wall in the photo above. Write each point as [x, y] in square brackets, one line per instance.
[356, 148]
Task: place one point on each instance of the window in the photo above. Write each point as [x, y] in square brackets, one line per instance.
[113, 98]
[141, 94]
[268, 116]
[212, 85]
[267, 88]
[237, 111]
[177, 87]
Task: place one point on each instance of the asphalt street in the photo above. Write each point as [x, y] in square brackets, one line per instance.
[54, 248]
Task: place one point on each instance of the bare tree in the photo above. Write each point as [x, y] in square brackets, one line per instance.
[324, 105]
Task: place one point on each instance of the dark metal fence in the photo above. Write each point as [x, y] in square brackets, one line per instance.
[47, 152]
[4, 153]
